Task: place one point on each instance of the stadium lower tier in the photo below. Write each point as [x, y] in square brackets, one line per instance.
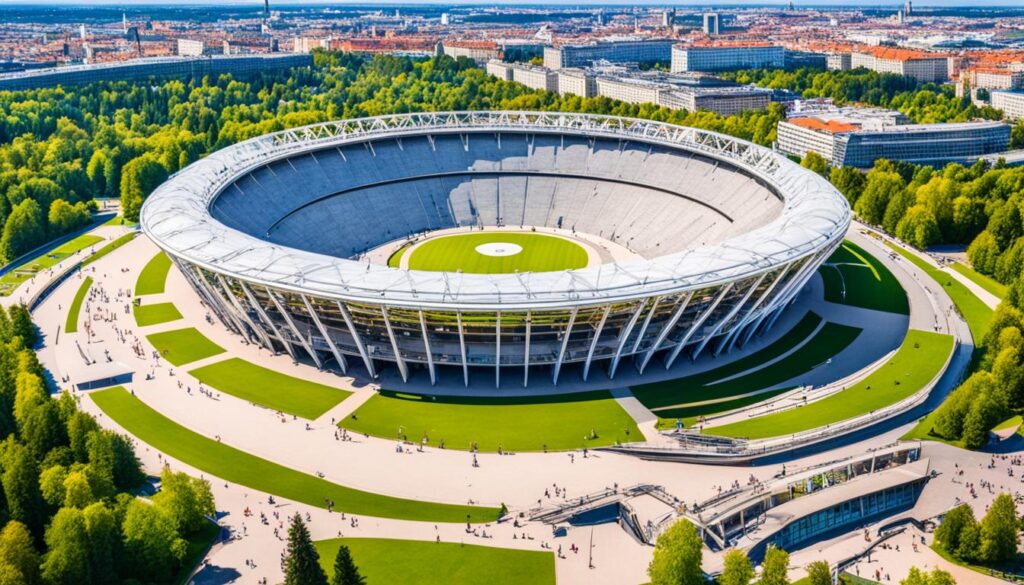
[645, 330]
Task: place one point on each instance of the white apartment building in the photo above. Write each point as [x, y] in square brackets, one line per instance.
[190, 48]
[626, 50]
[576, 81]
[535, 77]
[1010, 102]
[916, 64]
[499, 69]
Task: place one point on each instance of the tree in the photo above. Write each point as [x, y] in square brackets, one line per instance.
[64, 217]
[815, 162]
[983, 253]
[937, 577]
[151, 541]
[77, 493]
[67, 543]
[736, 569]
[775, 568]
[302, 563]
[185, 499]
[21, 488]
[23, 230]
[345, 570]
[21, 324]
[949, 532]
[677, 556]
[850, 182]
[999, 531]
[138, 179]
[18, 552]
[104, 532]
[819, 573]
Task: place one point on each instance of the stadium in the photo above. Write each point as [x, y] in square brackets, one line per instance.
[511, 243]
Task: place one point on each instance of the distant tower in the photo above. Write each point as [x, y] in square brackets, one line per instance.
[445, 20]
[901, 17]
[81, 31]
[398, 14]
[636, 23]
[124, 23]
[711, 23]
[908, 8]
[666, 18]
[791, 7]
[600, 17]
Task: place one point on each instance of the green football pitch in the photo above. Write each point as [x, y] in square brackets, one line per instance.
[539, 253]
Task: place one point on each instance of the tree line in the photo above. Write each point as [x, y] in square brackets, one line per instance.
[67, 504]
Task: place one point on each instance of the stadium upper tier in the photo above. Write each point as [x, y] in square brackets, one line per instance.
[270, 232]
[292, 208]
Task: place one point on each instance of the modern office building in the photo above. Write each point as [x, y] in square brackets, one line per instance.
[241, 66]
[273, 233]
[920, 65]
[726, 57]
[625, 50]
[848, 137]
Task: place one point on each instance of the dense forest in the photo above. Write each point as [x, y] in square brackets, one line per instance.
[67, 507]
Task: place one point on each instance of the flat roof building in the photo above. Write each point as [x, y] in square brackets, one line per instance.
[1010, 102]
[626, 50]
[727, 57]
[241, 66]
[686, 92]
[848, 137]
[920, 65]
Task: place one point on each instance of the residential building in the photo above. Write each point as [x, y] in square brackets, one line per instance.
[711, 23]
[920, 65]
[535, 77]
[190, 48]
[687, 92]
[838, 61]
[576, 81]
[479, 51]
[989, 79]
[726, 57]
[499, 69]
[1010, 102]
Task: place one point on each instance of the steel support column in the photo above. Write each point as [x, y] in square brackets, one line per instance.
[593, 344]
[624, 337]
[462, 348]
[735, 334]
[357, 339]
[666, 330]
[565, 344]
[295, 330]
[426, 346]
[697, 325]
[266, 319]
[732, 313]
[526, 354]
[327, 336]
[497, 350]
[402, 368]
[242, 313]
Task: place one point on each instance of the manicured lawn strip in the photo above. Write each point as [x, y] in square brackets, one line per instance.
[109, 248]
[867, 282]
[670, 392]
[541, 253]
[829, 341]
[516, 424]
[395, 260]
[667, 418]
[237, 466]
[12, 279]
[198, 542]
[917, 361]
[418, 562]
[976, 313]
[271, 389]
[153, 278]
[986, 282]
[155, 313]
[182, 346]
[1013, 421]
[120, 220]
[71, 325]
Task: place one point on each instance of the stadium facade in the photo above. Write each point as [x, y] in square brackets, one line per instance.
[272, 234]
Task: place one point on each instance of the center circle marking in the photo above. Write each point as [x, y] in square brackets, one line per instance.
[499, 249]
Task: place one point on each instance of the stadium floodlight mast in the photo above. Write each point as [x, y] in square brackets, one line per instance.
[337, 308]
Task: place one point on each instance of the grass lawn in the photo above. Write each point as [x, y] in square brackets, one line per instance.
[976, 313]
[668, 392]
[71, 325]
[155, 313]
[237, 466]
[418, 562]
[516, 424]
[917, 361]
[12, 279]
[198, 542]
[854, 277]
[1010, 572]
[275, 390]
[395, 260]
[182, 346]
[109, 248]
[153, 277]
[986, 282]
[120, 220]
[540, 253]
